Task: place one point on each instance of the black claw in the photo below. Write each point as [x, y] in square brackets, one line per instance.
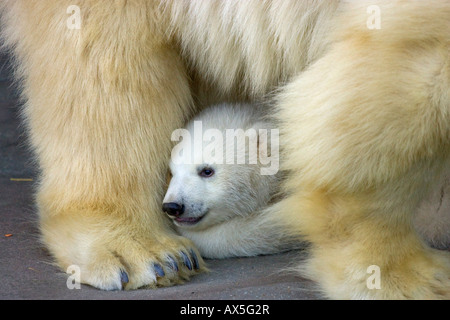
[186, 261]
[172, 263]
[195, 259]
[123, 277]
[159, 270]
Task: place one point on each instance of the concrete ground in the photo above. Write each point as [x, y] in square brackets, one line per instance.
[26, 269]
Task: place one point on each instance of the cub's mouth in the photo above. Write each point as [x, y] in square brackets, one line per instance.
[187, 221]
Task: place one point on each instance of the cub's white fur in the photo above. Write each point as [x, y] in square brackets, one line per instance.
[224, 213]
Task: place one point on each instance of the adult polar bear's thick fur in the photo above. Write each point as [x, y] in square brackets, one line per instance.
[364, 117]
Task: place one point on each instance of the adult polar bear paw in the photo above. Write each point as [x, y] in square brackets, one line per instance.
[424, 275]
[110, 258]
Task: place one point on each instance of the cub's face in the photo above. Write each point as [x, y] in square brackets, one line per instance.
[202, 195]
[193, 191]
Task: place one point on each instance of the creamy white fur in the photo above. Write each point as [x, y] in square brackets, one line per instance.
[364, 117]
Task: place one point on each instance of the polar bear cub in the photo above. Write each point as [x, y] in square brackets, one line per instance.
[225, 172]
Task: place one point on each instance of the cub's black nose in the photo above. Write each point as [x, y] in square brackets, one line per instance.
[173, 209]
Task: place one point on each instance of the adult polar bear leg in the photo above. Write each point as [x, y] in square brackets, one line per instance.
[101, 103]
[365, 134]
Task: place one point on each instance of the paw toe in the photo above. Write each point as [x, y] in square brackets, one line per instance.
[186, 261]
[159, 271]
[172, 263]
[195, 260]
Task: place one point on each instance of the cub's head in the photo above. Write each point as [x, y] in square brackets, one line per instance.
[211, 183]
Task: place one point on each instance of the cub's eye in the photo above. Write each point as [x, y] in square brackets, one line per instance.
[206, 173]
